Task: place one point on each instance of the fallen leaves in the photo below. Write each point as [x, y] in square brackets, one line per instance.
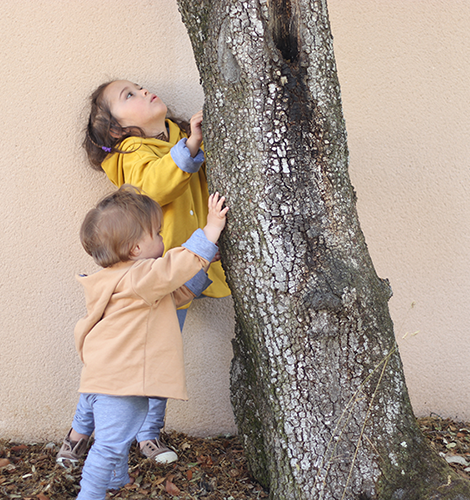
[451, 440]
[170, 487]
[202, 472]
[207, 469]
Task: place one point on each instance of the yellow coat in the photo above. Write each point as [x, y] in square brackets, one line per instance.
[182, 196]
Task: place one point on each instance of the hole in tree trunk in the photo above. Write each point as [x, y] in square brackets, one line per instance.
[283, 20]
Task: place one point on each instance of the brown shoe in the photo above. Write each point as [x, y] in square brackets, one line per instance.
[71, 452]
[156, 450]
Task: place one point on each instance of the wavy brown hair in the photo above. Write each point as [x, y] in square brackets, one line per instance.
[104, 131]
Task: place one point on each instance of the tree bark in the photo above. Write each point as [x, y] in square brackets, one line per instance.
[317, 383]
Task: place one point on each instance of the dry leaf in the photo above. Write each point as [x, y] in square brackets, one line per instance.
[4, 461]
[205, 460]
[41, 496]
[456, 459]
[19, 447]
[171, 488]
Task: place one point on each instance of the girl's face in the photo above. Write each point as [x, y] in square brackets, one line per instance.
[132, 105]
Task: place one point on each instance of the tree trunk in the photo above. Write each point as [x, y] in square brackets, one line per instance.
[317, 383]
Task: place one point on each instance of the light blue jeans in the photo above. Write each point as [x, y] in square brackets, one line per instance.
[84, 421]
[117, 420]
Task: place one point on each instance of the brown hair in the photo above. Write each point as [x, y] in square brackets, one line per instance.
[112, 229]
[104, 131]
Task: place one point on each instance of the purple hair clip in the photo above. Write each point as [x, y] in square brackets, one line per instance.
[104, 148]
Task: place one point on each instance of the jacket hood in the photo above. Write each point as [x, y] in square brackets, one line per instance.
[113, 164]
[99, 288]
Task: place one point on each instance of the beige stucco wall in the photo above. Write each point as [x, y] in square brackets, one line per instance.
[404, 70]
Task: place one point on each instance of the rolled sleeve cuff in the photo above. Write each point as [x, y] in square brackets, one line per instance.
[183, 159]
[197, 284]
[200, 245]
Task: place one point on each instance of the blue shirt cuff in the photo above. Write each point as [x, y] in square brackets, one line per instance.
[197, 284]
[183, 159]
[200, 245]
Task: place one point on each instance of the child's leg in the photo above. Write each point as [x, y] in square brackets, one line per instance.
[149, 434]
[150, 430]
[157, 406]
[154, 421]
[117, 421]
[83, 421]
[75, 443]
[181, 313]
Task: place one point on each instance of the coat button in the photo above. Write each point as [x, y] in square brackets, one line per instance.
[191, 212]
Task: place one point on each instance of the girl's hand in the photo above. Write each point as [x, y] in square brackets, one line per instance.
[195, 139]
[215, 218]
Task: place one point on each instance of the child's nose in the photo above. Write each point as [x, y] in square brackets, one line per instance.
[145, 91]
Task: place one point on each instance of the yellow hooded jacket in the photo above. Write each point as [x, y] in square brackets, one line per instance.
[183, 196]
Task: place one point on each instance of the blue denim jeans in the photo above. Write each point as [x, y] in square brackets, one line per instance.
[84, 419]
[117, 420]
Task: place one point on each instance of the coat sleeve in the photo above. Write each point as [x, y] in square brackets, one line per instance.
[152, 279]
[192, 288]
[183, 296]
[159, 177]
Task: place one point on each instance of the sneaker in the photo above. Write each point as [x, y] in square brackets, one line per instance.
[71, 452]
[156, 450]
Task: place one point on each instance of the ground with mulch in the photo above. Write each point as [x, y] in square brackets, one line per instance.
[209, 469]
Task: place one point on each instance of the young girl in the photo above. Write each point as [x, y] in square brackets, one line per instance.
[130, 139]
[130, 341]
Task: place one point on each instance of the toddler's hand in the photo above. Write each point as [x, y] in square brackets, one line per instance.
[215, 218]
[195, 139]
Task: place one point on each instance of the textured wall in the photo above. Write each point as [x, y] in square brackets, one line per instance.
[53, 55]
[404, 71]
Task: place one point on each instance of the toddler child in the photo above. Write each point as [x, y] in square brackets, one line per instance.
[129, 341]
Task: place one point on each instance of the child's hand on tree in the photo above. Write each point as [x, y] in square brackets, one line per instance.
[215, 218]
[195, 139]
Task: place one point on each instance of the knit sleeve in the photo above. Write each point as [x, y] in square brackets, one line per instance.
[182, 157]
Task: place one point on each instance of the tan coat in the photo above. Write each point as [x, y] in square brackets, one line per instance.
[130, 341]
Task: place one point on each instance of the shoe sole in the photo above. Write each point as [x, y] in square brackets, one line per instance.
[166, 458]
[67, 463]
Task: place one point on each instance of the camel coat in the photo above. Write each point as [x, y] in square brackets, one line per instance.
[130, 341]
